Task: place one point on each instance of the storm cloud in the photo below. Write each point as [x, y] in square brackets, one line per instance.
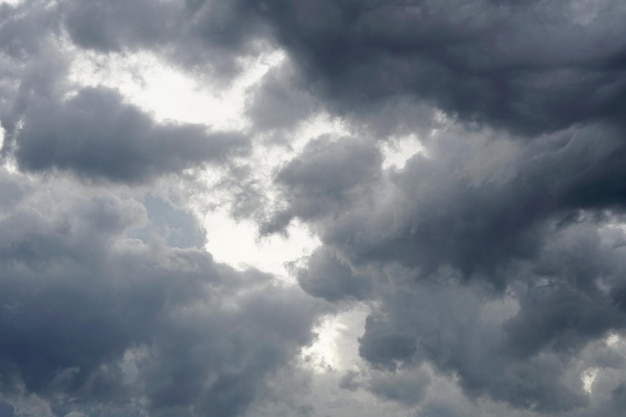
[95, 134]
[460, 166]
[92, 313]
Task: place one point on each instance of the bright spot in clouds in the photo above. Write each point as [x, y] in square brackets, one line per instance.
[336, 347]
[588, 377]
[169, 94]
[237, 243]
[612, 340]
[398, 151]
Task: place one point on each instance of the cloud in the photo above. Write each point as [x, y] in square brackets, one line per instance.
[110, 321]
[494, 260]
[326, 174]
[280, 101]
[96, 135]
[491, 263]
[406, 390]
[526, 66]
[208, 36]
[329, 278]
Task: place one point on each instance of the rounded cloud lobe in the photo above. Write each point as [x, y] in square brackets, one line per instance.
[95, 134]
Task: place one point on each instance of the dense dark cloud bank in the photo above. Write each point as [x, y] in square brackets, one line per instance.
[492, 263]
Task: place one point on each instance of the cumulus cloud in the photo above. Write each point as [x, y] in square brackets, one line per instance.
[110, 321]
[95, 134]
[490, 264]
[493, 260]
[528, 66]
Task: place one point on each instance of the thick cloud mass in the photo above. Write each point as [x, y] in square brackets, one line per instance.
[530, 65]
[490, 263]
[490, 259]
[95, 134]
[106, 319]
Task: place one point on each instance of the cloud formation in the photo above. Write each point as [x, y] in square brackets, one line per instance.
[94, 134]
[92, 314]
[489, 263]
[529, 66]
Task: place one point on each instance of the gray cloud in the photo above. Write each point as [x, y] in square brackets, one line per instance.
[208, 36]
[329, 278]
[110, 321]
[488, 255]
[493, 258]
[474, 201]
[524, 65]
[406, 390]
[326, 175]
[280, 101]
[96, 135]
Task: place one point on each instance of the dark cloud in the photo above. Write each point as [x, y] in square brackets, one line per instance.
[6, 410]
[495, 260]
[96, 135]
[516, 348]
[473, 201]
[527, 65]
[280, 101]
[329, 278]
[326, 175]
[31, 61]
[408, 390]
[117, 25]
[90, 314]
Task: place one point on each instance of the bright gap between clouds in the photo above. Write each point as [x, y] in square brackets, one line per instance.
[169, 94]
[236, 242]
[398, 150]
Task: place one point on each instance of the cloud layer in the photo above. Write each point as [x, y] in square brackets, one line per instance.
[489, 263]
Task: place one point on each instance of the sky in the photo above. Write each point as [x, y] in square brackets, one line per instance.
[312, 208]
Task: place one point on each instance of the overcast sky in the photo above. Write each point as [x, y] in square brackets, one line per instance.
[312, 208]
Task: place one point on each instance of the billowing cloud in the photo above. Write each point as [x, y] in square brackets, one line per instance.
[526, 65]
[492, 259]
[95, 134]
[485, 265]
[94, 315]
